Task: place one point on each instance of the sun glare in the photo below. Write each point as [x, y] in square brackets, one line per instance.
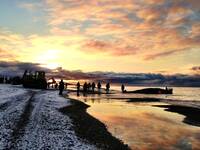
[51, 55]
[49, 58]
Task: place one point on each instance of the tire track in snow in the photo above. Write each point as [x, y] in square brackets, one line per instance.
[43, 129]
[13, 109]
[47, 127]
[4, 106]
[18, 131]
[9, 104]
[29, 119]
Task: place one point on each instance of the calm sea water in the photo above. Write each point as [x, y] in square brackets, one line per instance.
[179, 93]
[143, 126]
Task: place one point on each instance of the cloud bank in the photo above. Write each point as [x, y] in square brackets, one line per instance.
[153, 28]
[145, 79]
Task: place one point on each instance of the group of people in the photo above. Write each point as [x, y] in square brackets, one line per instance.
[88, 87]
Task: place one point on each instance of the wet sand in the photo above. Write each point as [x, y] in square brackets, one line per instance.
[192, 115]
[91, 129]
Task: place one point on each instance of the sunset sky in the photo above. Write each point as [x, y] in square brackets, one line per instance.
[148, 36]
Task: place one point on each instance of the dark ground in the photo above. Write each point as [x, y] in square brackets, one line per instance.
[192, 115]
[91, 129]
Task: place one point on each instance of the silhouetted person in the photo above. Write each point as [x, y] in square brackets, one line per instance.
[89, 86]
[107, 87]
[93, 87]
[99, 87]
[61, 87]
[85, 87]
[78, 88]
[123, 88]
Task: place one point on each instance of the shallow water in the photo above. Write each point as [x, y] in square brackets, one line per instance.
[142, 126]
[179, 93]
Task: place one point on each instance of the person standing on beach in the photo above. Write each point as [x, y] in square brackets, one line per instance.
[78, 88]
[107, 87]
[123, 88]
[99, 87]
[93, 86]
[85, 87]
[89, 86]
[61, 87]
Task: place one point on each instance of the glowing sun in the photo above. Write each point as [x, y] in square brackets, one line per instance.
[49, 59]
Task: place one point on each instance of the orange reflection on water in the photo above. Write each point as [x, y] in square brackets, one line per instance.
[144, 127]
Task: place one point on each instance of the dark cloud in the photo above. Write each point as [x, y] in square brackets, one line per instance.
[15, 68]
[147, 79]
[153, 79]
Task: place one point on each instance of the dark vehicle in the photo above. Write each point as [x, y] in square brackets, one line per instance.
[16, 80]
[1, 79]
[152, 91]
[36, 80]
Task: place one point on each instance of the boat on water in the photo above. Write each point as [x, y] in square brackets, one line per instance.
[152, 91]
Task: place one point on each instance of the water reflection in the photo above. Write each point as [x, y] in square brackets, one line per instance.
[142, 126]
[180, 93]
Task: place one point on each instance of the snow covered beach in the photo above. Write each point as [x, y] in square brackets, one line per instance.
[30, 119]
[41, 119]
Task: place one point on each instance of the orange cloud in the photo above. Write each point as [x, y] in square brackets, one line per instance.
[148, 29]
[114, 48]
[6, 55]
[162, 54]
[196, 69]
[138, 30]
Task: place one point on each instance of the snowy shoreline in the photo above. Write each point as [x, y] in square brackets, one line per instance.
[37, 119]
[29, 119]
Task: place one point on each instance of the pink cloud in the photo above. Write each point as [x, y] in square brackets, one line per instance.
[114, 48]
[6, 55]
[155, 28]
[195, 70]
[152, 33]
